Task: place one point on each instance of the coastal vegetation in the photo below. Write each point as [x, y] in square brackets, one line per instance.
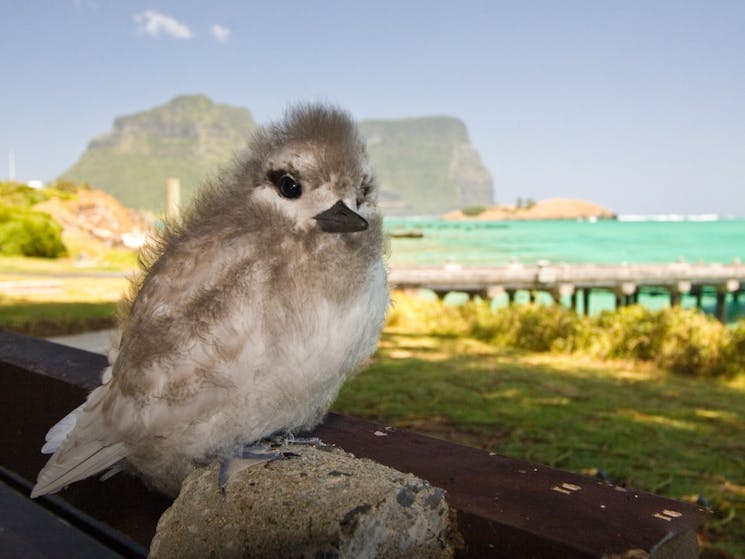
[473, 211]
[682, 341]
[24, 231]
[524, 203]
[29, 233]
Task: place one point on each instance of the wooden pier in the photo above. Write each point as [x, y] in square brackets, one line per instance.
[562, 280]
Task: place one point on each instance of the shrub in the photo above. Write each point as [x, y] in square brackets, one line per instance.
[473, 211]
[692, 343]
[684, 341]
[481, 322]
[19, 195]
[628, 332]
[532, 327]
[22, 196]
[421, 316]
[29, 233]
[69, 187]
[734, 353]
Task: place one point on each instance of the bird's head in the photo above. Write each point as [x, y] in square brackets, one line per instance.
[312, 169]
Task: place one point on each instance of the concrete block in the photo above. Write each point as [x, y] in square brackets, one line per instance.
[321, 502]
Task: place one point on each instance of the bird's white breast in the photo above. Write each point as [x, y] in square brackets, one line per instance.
[288, 384]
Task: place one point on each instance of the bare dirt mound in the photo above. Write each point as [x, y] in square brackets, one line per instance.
[97, 216]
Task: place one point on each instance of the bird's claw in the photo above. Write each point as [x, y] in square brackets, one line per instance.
[288, 439]
[262, 453]
[251, 455]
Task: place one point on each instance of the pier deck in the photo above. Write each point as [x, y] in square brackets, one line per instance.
[624, 280]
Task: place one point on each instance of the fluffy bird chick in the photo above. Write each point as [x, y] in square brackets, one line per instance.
[255, 308]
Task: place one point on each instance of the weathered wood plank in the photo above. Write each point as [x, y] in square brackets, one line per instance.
[29, 530]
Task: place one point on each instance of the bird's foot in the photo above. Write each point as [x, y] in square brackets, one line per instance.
[287, 439]
[249, 455]
[268, 450]
[257, 453]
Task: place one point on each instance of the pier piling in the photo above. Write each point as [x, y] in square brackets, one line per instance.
[721, 309]
[586, 301]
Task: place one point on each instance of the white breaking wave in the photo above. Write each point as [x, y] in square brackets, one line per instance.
[668, 217]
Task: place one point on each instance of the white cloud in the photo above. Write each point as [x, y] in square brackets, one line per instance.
[155, 23]
[220, 32]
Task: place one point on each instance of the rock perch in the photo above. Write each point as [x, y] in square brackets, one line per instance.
[320, 502]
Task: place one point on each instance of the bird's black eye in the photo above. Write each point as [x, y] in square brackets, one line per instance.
[289, 187]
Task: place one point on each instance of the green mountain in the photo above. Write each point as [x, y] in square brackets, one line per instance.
[424, 165]
[190, 138]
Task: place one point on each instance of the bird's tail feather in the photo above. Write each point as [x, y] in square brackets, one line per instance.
[80, 445]
[75, 464]
[57, 434]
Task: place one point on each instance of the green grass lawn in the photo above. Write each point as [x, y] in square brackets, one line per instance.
[49, 298]
[85, 260]
[56, 319]
[675, 436]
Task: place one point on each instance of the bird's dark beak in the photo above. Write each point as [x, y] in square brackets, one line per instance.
[339, 218]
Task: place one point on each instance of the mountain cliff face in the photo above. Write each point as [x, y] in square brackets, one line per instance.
[425, 165]
[190, 138]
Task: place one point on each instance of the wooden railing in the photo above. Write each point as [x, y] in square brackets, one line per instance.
[504, 507]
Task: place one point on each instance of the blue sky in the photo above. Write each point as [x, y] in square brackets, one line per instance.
[637, 105]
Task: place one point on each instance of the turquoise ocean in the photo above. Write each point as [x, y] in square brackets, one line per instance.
[632, 239]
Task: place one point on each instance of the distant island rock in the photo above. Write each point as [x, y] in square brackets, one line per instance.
[425, 166]
[554, 208]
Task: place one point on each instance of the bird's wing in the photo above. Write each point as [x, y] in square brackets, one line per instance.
[190, 321]
[164, 376]
[85, 450]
